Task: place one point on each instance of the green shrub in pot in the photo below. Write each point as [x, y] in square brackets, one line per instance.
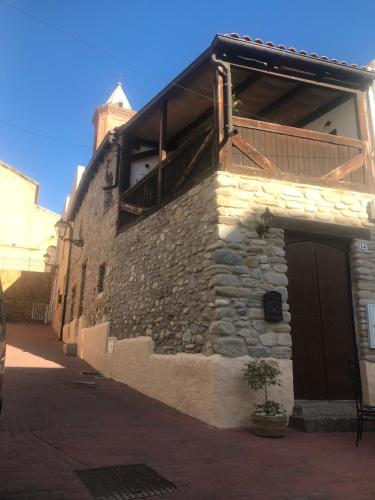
[269, 418]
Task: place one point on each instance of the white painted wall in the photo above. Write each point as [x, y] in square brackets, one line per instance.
[209, 388]
[342, 118]
[140, 168]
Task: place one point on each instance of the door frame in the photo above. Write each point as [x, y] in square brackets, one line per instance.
[340, 243]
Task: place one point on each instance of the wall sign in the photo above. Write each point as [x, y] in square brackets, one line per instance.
[273, 306]
[362, 245]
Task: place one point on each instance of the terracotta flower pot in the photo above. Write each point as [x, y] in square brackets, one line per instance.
[269, 425]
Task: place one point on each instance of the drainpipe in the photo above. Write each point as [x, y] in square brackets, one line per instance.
[227, 75]
[115, 139]
[67, 282]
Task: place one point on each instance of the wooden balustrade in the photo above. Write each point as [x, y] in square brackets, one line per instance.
[181, 167]
[298, 154]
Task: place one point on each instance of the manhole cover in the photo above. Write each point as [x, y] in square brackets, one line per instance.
[91, 374]
[82, 384]
[125, 482]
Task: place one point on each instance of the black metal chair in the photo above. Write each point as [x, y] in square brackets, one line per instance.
[364, 412]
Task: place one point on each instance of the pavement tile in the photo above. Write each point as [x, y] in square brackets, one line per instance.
[50, 429]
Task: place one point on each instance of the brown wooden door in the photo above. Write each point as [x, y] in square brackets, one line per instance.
[322, 319]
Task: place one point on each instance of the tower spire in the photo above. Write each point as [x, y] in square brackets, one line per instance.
[115, 112]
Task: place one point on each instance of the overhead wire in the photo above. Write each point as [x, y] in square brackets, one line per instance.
[76, 37]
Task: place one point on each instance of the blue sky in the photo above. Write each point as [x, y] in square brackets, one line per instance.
[51, 81]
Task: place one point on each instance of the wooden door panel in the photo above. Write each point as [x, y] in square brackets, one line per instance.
[321, 319]
[307, 343]
[337, 324]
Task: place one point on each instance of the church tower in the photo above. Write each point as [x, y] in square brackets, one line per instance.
[115, 112]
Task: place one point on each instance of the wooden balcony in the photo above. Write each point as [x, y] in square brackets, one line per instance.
[188, 163]
[299, 155]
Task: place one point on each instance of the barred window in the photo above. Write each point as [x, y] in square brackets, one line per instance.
[82, 290]
[101, 276]
[72, 303]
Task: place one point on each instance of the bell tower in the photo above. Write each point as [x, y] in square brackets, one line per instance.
[115, 112]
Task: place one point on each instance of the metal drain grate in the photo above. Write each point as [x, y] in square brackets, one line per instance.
[125, 482]
[91, 374]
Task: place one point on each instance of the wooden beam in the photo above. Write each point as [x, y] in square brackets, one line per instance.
[347, 168]
[278, 103]
[162, 146]
[326, 108]
[363, 120]
[133, 209]
[194, 160]
[190, 128]
[309, 226]
[254, 155]
[145, 154]
[282, 76]
[297, 132]
[251, 80]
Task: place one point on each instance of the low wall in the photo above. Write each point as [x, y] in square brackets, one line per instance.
[209, 388]
[22, 289]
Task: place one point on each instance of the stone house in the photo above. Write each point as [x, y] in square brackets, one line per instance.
[26, 234]
[251, 172]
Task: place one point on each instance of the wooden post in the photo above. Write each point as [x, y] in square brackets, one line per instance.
[162, 146]
[224, 143]
[220, 119]
[365, 135]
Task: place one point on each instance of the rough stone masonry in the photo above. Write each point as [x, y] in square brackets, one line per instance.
[192, 275]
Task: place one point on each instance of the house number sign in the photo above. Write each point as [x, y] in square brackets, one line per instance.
[362, 245]
[272, 304]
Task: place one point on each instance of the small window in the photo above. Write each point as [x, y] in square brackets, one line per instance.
[82, 290]
[101, 276]
[73, 303]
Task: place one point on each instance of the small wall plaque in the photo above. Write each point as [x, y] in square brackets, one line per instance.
[362, 245]
[272, 304]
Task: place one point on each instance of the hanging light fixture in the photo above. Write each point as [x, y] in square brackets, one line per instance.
[265, 225]
[61, 227]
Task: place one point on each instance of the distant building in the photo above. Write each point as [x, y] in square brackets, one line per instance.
[27, 233]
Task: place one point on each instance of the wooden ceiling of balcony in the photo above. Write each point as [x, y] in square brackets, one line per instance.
[262, 96]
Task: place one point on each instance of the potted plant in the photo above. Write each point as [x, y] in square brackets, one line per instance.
[269, 418]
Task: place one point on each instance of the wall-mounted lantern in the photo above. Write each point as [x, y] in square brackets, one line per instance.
[46, 258]
[62, 226]
[265, 225]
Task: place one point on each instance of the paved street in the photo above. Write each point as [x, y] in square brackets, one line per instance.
[51, 428]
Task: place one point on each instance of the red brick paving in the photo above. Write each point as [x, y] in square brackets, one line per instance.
[50, 429]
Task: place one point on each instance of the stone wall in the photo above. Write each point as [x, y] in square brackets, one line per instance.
[157, 278]
[247, 266]
[22, 289]
[192, 276]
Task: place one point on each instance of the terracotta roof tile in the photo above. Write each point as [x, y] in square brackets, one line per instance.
[259, 41]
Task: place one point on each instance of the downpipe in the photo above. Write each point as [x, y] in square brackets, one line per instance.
[227, 75]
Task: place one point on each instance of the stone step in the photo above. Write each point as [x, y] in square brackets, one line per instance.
[324, 416]
[325, 408]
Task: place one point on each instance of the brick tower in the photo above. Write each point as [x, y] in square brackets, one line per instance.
[115, 112]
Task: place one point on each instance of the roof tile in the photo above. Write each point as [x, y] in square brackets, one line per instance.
[302, 52]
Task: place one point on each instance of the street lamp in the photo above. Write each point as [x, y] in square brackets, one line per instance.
[265, 226]
[46, 258]
[62, 226]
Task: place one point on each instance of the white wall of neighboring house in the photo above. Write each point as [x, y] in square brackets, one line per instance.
[342, 119]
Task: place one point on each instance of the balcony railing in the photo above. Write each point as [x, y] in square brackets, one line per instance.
[186, 163]
[300, 154]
